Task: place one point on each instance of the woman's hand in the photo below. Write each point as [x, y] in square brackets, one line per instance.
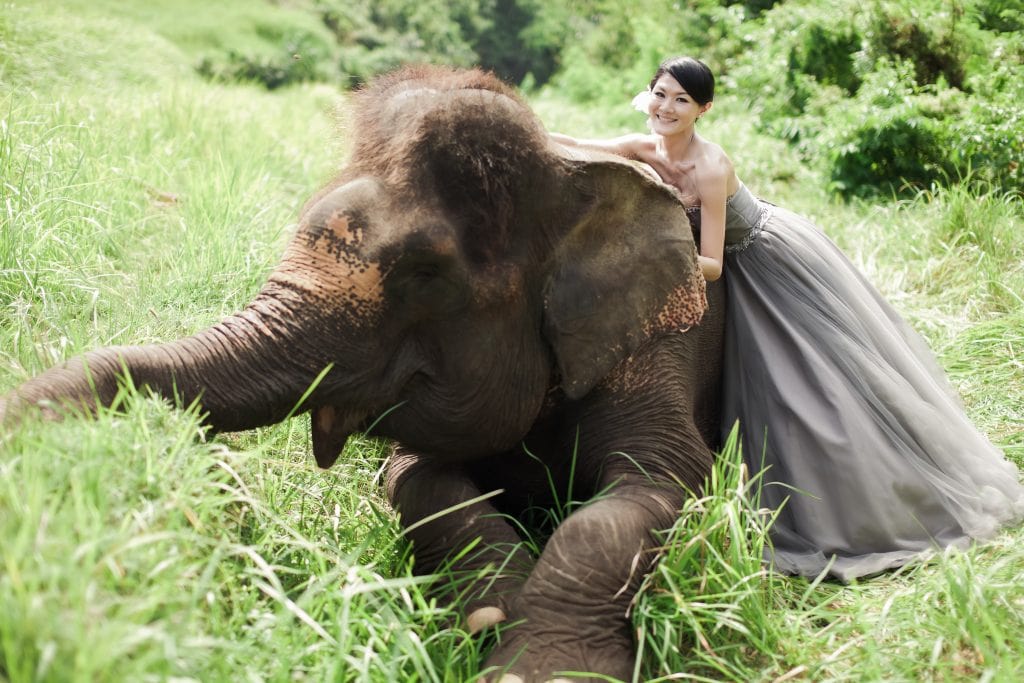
[710, 268]
[679, 174]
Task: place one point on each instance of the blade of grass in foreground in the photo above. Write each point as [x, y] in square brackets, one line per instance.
[706, 609]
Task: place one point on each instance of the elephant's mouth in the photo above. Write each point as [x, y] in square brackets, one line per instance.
[331, 428]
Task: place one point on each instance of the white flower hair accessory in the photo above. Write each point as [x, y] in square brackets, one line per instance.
[642, 101]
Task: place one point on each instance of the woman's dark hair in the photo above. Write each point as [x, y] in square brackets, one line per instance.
[693, 74]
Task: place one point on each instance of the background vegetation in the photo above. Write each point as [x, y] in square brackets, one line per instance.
[152, 160]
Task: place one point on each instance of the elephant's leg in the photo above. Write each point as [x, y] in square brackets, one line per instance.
[575, 604]
[574, 607]
[477, 552]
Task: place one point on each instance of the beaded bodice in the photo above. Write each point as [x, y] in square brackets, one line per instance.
[745, 216]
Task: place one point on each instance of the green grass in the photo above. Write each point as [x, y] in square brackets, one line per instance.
[72, 43]
[139, 203]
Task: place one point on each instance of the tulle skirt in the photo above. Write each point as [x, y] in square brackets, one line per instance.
[862, 442]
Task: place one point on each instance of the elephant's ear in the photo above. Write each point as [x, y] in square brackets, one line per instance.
[625, 270]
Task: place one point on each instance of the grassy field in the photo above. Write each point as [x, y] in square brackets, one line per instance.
[139, 203]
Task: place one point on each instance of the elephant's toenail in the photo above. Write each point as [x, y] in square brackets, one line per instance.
[483, 618]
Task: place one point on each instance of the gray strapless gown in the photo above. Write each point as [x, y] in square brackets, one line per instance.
[867, 447]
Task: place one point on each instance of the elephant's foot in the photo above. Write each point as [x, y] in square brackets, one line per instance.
[483, 596]
[478, 601]
[564, 653]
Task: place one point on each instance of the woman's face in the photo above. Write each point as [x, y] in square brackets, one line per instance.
[671, 108]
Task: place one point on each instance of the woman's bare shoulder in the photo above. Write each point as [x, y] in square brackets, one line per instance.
[714, 158]
[714, 165]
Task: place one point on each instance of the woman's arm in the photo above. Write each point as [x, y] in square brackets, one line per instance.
[713, 177]
[629, 146]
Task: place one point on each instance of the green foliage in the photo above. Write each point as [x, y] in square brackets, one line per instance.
[513, 38]
[826, 52]
[618, 46]
[379, 36]
[899, 151]
[524, 39]
[803, 58]
[895, 136]
[987, 140]
[1003, 16]
[935, 43]
[891, 97]
[713, 551]
[754, 7]
[892, 139]
[301, 58]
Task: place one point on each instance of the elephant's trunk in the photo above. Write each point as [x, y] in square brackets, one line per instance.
[253, 368]
[249, 370]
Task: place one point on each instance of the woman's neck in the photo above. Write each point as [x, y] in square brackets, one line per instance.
[674, 147]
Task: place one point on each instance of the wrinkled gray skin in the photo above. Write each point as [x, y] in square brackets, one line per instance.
[501, 294]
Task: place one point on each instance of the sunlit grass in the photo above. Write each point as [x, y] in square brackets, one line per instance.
[707, 608]
[139, 203]
[186, 185]
[133, 549]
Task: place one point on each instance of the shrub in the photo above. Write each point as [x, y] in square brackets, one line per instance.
[367, 58]
[755, 7]
[896, 135]
[618, 46]
[826, 52]
[901, 151]
[801, 56]
[375, 36]
[300, 58]
[934, 44]
[524, 38]
[513, 38]
[894, 97]
[891, 138]
[987, 140]
[1001, 16]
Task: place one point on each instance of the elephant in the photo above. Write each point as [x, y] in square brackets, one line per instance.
[510, 313]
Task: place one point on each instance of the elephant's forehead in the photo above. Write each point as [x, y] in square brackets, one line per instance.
[404, 106]
[327, 264]
[408, 105]
[412, 95]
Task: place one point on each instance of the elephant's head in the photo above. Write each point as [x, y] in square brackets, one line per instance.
[460, 268]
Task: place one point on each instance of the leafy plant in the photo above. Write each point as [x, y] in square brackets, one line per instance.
[797, 51]
[300, 58]
[1003, 16]
[892, 140]
[934, 43]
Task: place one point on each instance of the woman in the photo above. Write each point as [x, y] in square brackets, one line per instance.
[866, 449]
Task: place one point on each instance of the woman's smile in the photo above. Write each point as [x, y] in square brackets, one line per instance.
[671, 108]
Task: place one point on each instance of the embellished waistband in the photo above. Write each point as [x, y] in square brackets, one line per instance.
[764, 214]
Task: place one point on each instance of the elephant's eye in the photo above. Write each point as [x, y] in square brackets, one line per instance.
[427, 287]
[423, 272]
